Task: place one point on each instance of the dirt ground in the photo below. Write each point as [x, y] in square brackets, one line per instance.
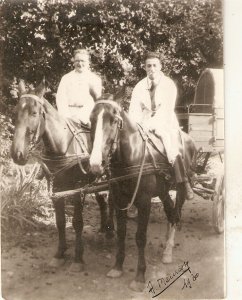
[26, 275]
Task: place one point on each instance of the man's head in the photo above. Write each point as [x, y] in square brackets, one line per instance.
[152, 65]
[81, 60]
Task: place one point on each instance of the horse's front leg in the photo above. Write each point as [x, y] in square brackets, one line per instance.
[173, 213]
[117, 270]
[58, 258]
[144, 206]
[77, 222]
[110, 224]
[106, 215]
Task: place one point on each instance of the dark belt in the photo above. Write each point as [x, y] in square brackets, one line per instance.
[75, 105]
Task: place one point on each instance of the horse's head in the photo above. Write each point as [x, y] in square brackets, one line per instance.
[106, 121]
[29, 125]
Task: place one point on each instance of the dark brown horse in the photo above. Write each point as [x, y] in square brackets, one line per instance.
[38, 120]
[122, 146]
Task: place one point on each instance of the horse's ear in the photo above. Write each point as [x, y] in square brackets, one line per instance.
[21, 87]
[106, 96]
[41, 88]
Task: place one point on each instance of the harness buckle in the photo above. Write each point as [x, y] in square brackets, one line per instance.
[120, 122]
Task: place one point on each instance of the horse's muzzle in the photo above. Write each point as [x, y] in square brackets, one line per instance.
[96, 169]
[19, 158]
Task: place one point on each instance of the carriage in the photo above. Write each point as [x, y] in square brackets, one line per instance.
[135, 159]
[203, 120]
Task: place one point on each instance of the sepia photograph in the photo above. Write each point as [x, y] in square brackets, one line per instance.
[112, 133]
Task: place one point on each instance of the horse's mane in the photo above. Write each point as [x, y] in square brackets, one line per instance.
[131, 124]
[114, 102]
[49, 108]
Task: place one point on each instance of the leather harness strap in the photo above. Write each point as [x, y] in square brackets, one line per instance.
[78, 138]
[111, 102]
[35, 97]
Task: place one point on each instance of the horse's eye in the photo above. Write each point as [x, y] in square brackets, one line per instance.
[34, 113]
[115, 120]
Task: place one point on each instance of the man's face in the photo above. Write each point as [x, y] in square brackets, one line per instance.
[152, 68]
[81, 62]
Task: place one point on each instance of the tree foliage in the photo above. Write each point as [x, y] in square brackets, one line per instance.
[39, 37]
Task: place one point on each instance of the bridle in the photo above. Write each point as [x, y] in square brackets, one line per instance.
[119, 119]
[115, 105]
[36, 137]
[113, 149]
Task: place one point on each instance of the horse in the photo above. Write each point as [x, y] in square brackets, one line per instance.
[123, 148]
[37, 120]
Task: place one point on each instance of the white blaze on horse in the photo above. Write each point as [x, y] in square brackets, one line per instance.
[96, 157]
[65, 159]
[122, 147]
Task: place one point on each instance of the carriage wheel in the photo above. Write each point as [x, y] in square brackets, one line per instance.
[218, 205]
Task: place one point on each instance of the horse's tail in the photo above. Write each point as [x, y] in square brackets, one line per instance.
[194, 155]
[190, 154]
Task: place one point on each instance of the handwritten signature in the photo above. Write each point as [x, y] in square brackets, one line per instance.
[165, 282]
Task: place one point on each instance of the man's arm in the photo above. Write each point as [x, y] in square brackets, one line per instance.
[135, 109]
[61, 99]
[95, 88]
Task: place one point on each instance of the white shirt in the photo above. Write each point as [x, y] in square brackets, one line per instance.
[165, 100]
[73, 98]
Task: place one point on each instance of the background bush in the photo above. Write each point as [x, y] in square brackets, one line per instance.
[38, 39]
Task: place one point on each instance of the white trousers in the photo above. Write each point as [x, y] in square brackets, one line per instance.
[81, 113]
[171, 141]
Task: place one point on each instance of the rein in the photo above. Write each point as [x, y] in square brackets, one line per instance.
[139, 178]
[80, 141]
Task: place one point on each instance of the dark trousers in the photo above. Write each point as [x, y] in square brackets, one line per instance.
[180, 170]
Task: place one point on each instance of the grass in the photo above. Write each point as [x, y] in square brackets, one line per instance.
[23, 199]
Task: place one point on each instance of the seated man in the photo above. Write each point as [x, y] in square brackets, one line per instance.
[152, 105]
[78, 89]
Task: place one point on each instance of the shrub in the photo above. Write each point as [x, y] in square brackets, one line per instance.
[39, 38]
[20, 199]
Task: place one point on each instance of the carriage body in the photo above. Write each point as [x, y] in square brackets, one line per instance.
[203, 120]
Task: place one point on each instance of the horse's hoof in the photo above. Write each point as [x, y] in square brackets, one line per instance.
[137, 286]
[56, 262]
[76, 267]
[167, 258]
[114, 273]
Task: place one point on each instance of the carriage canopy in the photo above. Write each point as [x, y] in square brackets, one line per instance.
[209, 91]
[204, 120]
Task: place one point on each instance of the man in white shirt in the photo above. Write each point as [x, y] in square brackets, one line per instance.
[78, 89]
[152, 105]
